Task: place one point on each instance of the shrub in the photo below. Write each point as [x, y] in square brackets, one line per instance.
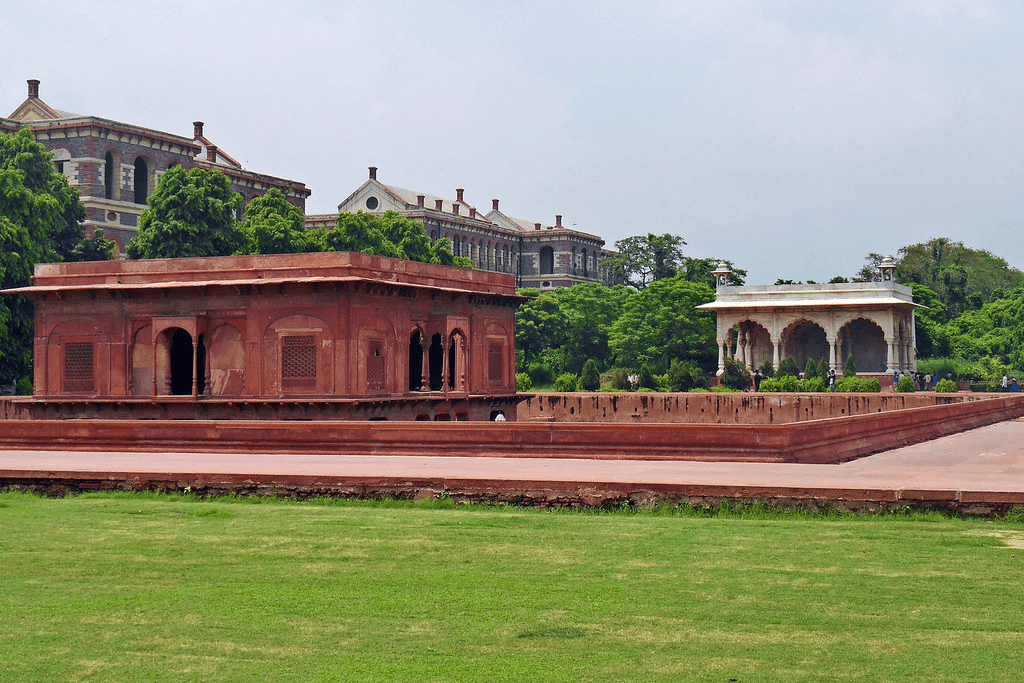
[683, 375]
[646, 378]
[523, 382]
[25, 386]
[788, 367]
[858, 384]
[767, 369]
[567, 381]
[849, 368]
[789, 383]
[814, 384]
[735, 376]
[591, 378]
[905, 385]
[540, 373]
[946, 386]
[811, 369]
[723, 389]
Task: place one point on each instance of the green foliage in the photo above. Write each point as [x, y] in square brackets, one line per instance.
[995, 330]
[735, 376]
[591, 379]
[25, 387]
[789, 383]
[540, 373]
[905, 385]
[788, 367]
[849, 367]
[39, 222]
[858, 384]
[959, 369]
[273, 225]
[619, 379]
[95, 248]
[523, 382]
[767, 369]
[646, 378]
[684, 376]
[811, 369]
[567, 381]
[701, 269]
[946, 386]
[642, 259]
[661, 323]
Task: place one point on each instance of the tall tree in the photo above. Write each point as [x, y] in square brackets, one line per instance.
[389, 234]
[701, 269]
[662, 323]
[643, 259]
[39, 221]
[273, 225]
[190, 213]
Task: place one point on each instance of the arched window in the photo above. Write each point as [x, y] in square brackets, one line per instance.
[108, 176]
[141, 181]
[547, 260]
[586, 269]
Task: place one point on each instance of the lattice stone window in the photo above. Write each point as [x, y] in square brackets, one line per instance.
[375, 367]
[496, 363]
[298, 360]
[78, 366]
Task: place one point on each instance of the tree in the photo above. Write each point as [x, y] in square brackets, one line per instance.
[273, 225]
[661, 322]
[735, 376]
[591, 378]
[190, 213]
[701, 269]
[849, 368]
[683, 375]
[643, 259]
[388, 234]
[646, 378]
[787, 367]
[39, 222]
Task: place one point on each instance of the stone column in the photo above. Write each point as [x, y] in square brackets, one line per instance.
[206, 371]
[890, 360]
[777, 353]
[195, 368]
[721, 355]
[425, 367]
[154, 364]
[444, 364]
[741, 349]
[832, 353]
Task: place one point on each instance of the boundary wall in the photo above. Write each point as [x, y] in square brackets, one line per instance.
[723, 408]
[830, 440]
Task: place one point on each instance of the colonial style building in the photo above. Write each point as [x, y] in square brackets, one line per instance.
[343, 335]
[115, 165]
[871, 321]
[539, 256]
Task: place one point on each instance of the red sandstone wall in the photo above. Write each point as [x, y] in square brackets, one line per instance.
[720, 408]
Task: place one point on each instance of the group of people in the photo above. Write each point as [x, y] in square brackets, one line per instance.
[923, 381]
[1008, 384]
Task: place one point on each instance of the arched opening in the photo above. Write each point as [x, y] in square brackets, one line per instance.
[586, 268]
[451, 364]
[108, 175]
[141, 181]
[807, 340]
[574, 261]
[436, 360]
[754, 345]
[180, 356]
[865, 341]
[504, 260]
[415, 361]
[547, 260]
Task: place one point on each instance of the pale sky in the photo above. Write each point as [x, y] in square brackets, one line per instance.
[791, 137]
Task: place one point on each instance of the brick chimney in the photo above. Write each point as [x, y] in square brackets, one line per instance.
[211, 153]
[373, 172]
[33, 88]
[472, 212]
[455, 209]
[558, 221]
[419, 200]
[197, 130]
[438, 204]
[458, 194]
[536, 226]
[494, 205]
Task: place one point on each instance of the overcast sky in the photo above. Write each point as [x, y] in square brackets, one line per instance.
[791, 137]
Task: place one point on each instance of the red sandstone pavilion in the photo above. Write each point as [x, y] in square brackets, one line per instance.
[333, 335]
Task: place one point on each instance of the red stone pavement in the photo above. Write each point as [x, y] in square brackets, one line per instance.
[985, 460]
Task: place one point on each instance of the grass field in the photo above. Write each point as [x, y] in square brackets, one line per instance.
[136, 587]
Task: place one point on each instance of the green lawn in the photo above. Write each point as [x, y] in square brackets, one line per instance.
[143, 587]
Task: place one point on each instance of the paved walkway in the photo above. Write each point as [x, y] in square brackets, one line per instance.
[990, 459]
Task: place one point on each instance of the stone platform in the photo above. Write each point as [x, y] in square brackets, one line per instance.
[977, 472]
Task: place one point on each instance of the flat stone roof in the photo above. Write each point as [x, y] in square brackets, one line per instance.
[318, 267]
[845, 294]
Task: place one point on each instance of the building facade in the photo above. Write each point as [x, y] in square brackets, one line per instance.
[115, 165]
[359, 336]
[539, 256]
[871, 321]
